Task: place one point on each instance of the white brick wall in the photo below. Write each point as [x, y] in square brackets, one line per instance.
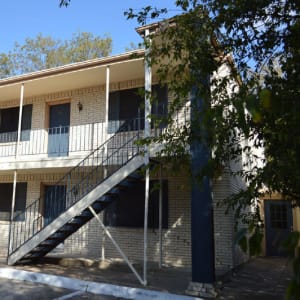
[88, 241]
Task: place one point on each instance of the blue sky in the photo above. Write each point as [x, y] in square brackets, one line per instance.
[27, 18]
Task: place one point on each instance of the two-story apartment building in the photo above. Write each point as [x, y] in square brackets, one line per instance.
[68, 151]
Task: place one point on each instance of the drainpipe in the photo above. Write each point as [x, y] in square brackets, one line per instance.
[147, 129]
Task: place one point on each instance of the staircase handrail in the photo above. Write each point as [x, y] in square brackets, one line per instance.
[105, 153]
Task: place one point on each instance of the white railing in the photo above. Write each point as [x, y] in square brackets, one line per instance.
[73, 140]
[57, 141]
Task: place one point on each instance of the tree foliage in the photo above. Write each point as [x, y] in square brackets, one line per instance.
[251, 111]
[263, 39]
[43, 52]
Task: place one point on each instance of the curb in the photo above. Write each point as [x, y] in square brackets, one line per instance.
[90, 286]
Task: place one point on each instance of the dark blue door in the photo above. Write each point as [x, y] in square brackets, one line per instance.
[279, 222]
[54, 202]
[58, 136]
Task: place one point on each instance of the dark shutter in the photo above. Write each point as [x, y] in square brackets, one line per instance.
[128, 209]
[113, 112]
[21, 193]
[26, 122]
[159, 107]
[6, 190]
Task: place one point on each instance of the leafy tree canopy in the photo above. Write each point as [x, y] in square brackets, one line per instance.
[253, 111]
[263, 37]
[43, 52]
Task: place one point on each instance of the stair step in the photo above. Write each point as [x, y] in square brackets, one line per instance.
[77, 221]
[134, 177]
[57, 236]
[105, 199]
[97, 206]
[85, 214]
[68, 227]
[39, 249]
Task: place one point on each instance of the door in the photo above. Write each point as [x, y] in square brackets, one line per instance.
[279, 222]
[58, 135]
[54, 202]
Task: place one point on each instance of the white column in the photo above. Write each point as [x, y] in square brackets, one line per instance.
[13, 200]
[148, 77]
[105, 148]
[107, 96]
[20, 119]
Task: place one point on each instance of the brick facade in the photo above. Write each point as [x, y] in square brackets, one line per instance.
[89, 241]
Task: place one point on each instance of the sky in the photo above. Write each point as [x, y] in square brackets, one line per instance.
[27, 18]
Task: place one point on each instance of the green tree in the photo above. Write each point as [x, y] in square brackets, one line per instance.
[259, 41]
[44, 52]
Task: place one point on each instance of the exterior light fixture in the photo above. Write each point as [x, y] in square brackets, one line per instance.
[79, 105]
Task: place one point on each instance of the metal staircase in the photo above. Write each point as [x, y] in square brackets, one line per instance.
[94, 182]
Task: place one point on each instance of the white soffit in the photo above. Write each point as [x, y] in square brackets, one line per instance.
[74, 79]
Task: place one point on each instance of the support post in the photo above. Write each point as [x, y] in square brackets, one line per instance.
[20, 120]
[160, 216]
[148, 78]
[105, 147]
[13, 200]
[203, 254]
[107, 96]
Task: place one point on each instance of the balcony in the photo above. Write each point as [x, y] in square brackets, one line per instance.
[39, 148]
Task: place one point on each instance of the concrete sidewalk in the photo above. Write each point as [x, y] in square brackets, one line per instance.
[261, 278]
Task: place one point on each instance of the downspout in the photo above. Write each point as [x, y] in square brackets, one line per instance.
[148, 77]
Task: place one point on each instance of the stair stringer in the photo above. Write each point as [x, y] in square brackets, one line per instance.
[100, 190]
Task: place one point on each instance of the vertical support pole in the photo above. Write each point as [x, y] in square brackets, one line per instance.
[202, 232]
[160, 216]
[105, 148]
[13, 200]
[107, 96]
[20, 120]
[13, 196]
[148, 78]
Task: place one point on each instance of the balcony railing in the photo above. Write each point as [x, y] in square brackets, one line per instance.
[60, 141]
[72, 140]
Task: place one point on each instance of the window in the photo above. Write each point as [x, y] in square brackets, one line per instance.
[128, 209]
[9, 119]
[54, 202]
[6, 191]
[279, 216]
[129, 105]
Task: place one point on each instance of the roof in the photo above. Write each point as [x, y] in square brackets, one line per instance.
[129, 65]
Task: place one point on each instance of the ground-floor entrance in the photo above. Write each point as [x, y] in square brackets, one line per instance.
[278, 224]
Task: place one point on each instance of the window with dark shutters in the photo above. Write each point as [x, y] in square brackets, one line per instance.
[9, 118]
[128, 209]
[6, 191]
[128, 105]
